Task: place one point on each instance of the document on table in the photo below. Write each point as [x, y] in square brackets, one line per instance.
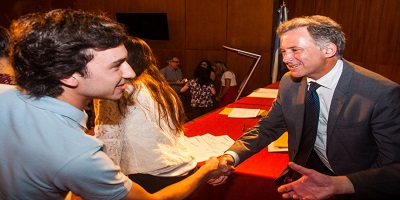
[243, 113]
[207, 145]
[279, 145]
[227, 110]
[264, 93]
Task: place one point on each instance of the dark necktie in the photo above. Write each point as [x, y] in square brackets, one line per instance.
[311, 115]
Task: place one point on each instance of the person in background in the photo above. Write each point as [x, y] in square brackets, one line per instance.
[143, 132]
[355, 129]
[173, 74]
[7, 75]
[201, 89]
[379, 183]
[62, 60]
[206, 64]
[228, 84]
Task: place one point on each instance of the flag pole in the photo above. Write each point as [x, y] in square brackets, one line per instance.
[276, 59]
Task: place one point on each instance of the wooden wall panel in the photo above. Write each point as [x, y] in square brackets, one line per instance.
[198, 28]
[250, 24]
[175, 10]
[241, 65]
[193, 57]
[250, 29]
[10, 10]
[163, 54]
[205, 24]
[372, 29]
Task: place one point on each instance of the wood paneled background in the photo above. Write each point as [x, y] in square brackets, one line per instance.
[199, 28]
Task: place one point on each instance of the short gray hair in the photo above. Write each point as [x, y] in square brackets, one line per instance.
[321, 28]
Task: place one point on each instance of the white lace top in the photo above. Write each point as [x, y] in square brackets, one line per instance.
[137, 143]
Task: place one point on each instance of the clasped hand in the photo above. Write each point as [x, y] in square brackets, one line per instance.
[225, 167]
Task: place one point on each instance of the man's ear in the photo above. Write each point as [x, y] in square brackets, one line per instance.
[330, 50]
[71, 81]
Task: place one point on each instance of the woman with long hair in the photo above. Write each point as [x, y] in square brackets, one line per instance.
[143, 132]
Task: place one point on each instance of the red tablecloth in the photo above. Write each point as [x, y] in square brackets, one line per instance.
[252, 179]
[258, 101]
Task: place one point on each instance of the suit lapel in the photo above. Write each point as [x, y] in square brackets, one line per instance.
[340, 96]
[301, 92]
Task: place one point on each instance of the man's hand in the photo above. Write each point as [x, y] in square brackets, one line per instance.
[226, 167]
[312, 185]
[215, 172]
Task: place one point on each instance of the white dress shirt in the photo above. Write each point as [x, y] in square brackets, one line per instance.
[328, 85]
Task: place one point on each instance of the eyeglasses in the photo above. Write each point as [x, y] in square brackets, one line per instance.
[175, 61]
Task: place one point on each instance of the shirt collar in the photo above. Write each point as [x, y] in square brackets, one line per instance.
[169, 67]
[57, 106]
[330, 79]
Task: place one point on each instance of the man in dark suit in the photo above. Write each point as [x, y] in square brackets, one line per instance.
[358, 126]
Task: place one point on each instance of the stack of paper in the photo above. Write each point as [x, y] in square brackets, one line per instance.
[279, 145]
[264, 93]
[243, 112]
[207, 145]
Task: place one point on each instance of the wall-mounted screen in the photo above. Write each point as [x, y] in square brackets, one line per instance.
[153, 26]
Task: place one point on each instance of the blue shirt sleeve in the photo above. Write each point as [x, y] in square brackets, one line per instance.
[93, 175]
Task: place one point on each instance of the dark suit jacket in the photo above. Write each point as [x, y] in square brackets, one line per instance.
[363, 128]
[379, 183]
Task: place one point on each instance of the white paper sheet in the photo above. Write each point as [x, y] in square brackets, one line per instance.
[266, 90]
[207, 145]
[243, 113]
[264, 93]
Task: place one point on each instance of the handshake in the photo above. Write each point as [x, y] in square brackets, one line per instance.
[218, 169]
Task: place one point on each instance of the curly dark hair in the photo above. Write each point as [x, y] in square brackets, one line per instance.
[203, 74]
[48, 47]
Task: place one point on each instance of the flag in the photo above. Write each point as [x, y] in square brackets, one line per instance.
[277, 64]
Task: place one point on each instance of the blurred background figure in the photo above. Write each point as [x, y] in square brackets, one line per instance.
[206, 64]
[228, 84]
[143, 132]
[173, 74]
[7, 75]
[201, 89]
